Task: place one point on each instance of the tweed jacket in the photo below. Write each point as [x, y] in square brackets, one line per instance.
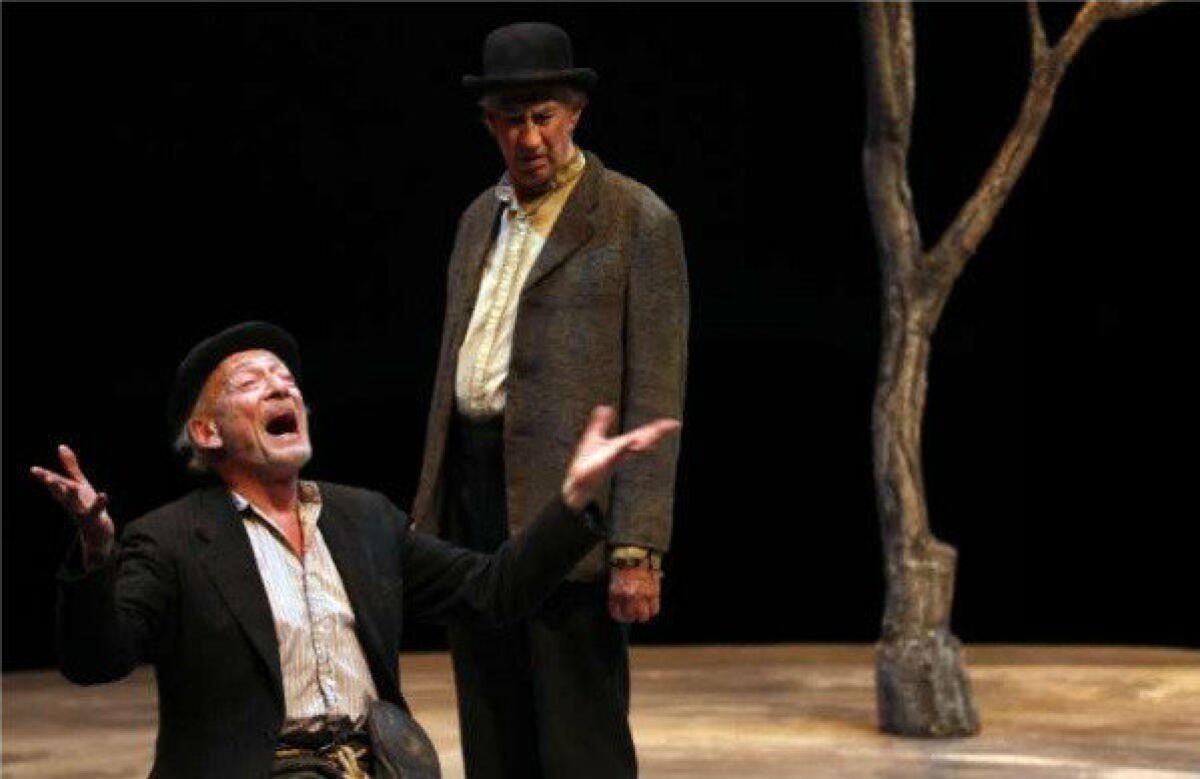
[183, 592]
[602, 318]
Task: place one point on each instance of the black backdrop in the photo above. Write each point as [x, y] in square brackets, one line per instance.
[169, 170]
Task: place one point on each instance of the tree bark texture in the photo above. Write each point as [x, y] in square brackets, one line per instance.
[921, 688]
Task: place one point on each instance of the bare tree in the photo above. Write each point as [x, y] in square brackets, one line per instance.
[920, 684]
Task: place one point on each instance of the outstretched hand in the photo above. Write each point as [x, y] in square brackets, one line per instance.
[597, 455]
[77, 496]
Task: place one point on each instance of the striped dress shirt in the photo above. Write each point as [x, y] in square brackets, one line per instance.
[324, 670]
[483, 358]
[487, 347]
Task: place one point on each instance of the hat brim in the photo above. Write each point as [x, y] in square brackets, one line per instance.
[205, 356]
[584, 78]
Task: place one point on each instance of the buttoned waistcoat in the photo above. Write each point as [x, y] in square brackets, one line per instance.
[183, 592]
[602, 318]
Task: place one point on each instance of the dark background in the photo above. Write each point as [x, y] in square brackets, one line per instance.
[169, 170]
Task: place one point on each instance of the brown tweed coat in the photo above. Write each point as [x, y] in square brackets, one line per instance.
[602, 318]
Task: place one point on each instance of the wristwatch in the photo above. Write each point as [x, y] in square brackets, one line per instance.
[623, 557]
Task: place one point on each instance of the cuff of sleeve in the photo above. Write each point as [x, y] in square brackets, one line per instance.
[595, 520]
[74, 568]
[632, 556]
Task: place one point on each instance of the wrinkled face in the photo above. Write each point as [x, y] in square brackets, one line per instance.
[257, 414]
[535, 141]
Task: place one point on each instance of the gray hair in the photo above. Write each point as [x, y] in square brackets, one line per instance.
[198, 461]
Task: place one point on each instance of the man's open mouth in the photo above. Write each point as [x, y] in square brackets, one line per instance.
[283, 423]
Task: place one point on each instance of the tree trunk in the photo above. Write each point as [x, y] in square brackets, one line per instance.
[920, 686]
[921, 689]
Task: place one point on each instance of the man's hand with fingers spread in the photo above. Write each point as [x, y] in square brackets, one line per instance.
[597, 456]
[89, 508]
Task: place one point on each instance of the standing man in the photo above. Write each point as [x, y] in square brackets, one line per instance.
[566, 288]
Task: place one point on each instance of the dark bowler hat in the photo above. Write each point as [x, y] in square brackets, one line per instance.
[526, 54]
[205, 356]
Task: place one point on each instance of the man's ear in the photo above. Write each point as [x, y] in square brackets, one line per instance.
[204, 434]
[486, 119]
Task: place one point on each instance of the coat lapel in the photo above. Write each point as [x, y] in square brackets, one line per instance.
[573, 228]
[477, 242]
[353, 564]
[226, 554]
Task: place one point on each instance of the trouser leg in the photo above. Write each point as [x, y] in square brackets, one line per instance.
[549, 697]
[580, 662]
[495, 703]
[491, 666]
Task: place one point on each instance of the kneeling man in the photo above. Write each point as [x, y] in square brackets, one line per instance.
[271, 607]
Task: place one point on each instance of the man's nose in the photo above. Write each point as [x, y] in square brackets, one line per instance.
[529, 137]
[278, 387]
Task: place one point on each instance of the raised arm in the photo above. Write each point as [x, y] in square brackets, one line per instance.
[111, 598]
[83, 503]
[445, 583]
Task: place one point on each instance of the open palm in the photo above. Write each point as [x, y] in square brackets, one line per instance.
[597, 455]
[80, 499]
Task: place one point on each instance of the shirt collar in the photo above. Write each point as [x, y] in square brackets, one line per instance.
[309, 495]
[562, 177]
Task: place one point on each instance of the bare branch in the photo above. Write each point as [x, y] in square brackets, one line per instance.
[891, 81]
[888, 56]
[1086, 19]
[960, 240]
[1089, 16]
[1039, 49]
[1123, 9]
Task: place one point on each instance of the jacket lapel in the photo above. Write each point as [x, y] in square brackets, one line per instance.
[574, 226]
[353, 564]
[477, 243]
[225, 552]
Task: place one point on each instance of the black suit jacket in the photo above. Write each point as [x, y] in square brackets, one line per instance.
[183, 592]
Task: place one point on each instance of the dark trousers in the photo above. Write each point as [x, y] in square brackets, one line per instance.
[548, 697]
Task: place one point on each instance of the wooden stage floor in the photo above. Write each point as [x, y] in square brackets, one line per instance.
[745, 711]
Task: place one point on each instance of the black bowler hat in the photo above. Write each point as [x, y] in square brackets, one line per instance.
[527, 54]
[205, 356]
